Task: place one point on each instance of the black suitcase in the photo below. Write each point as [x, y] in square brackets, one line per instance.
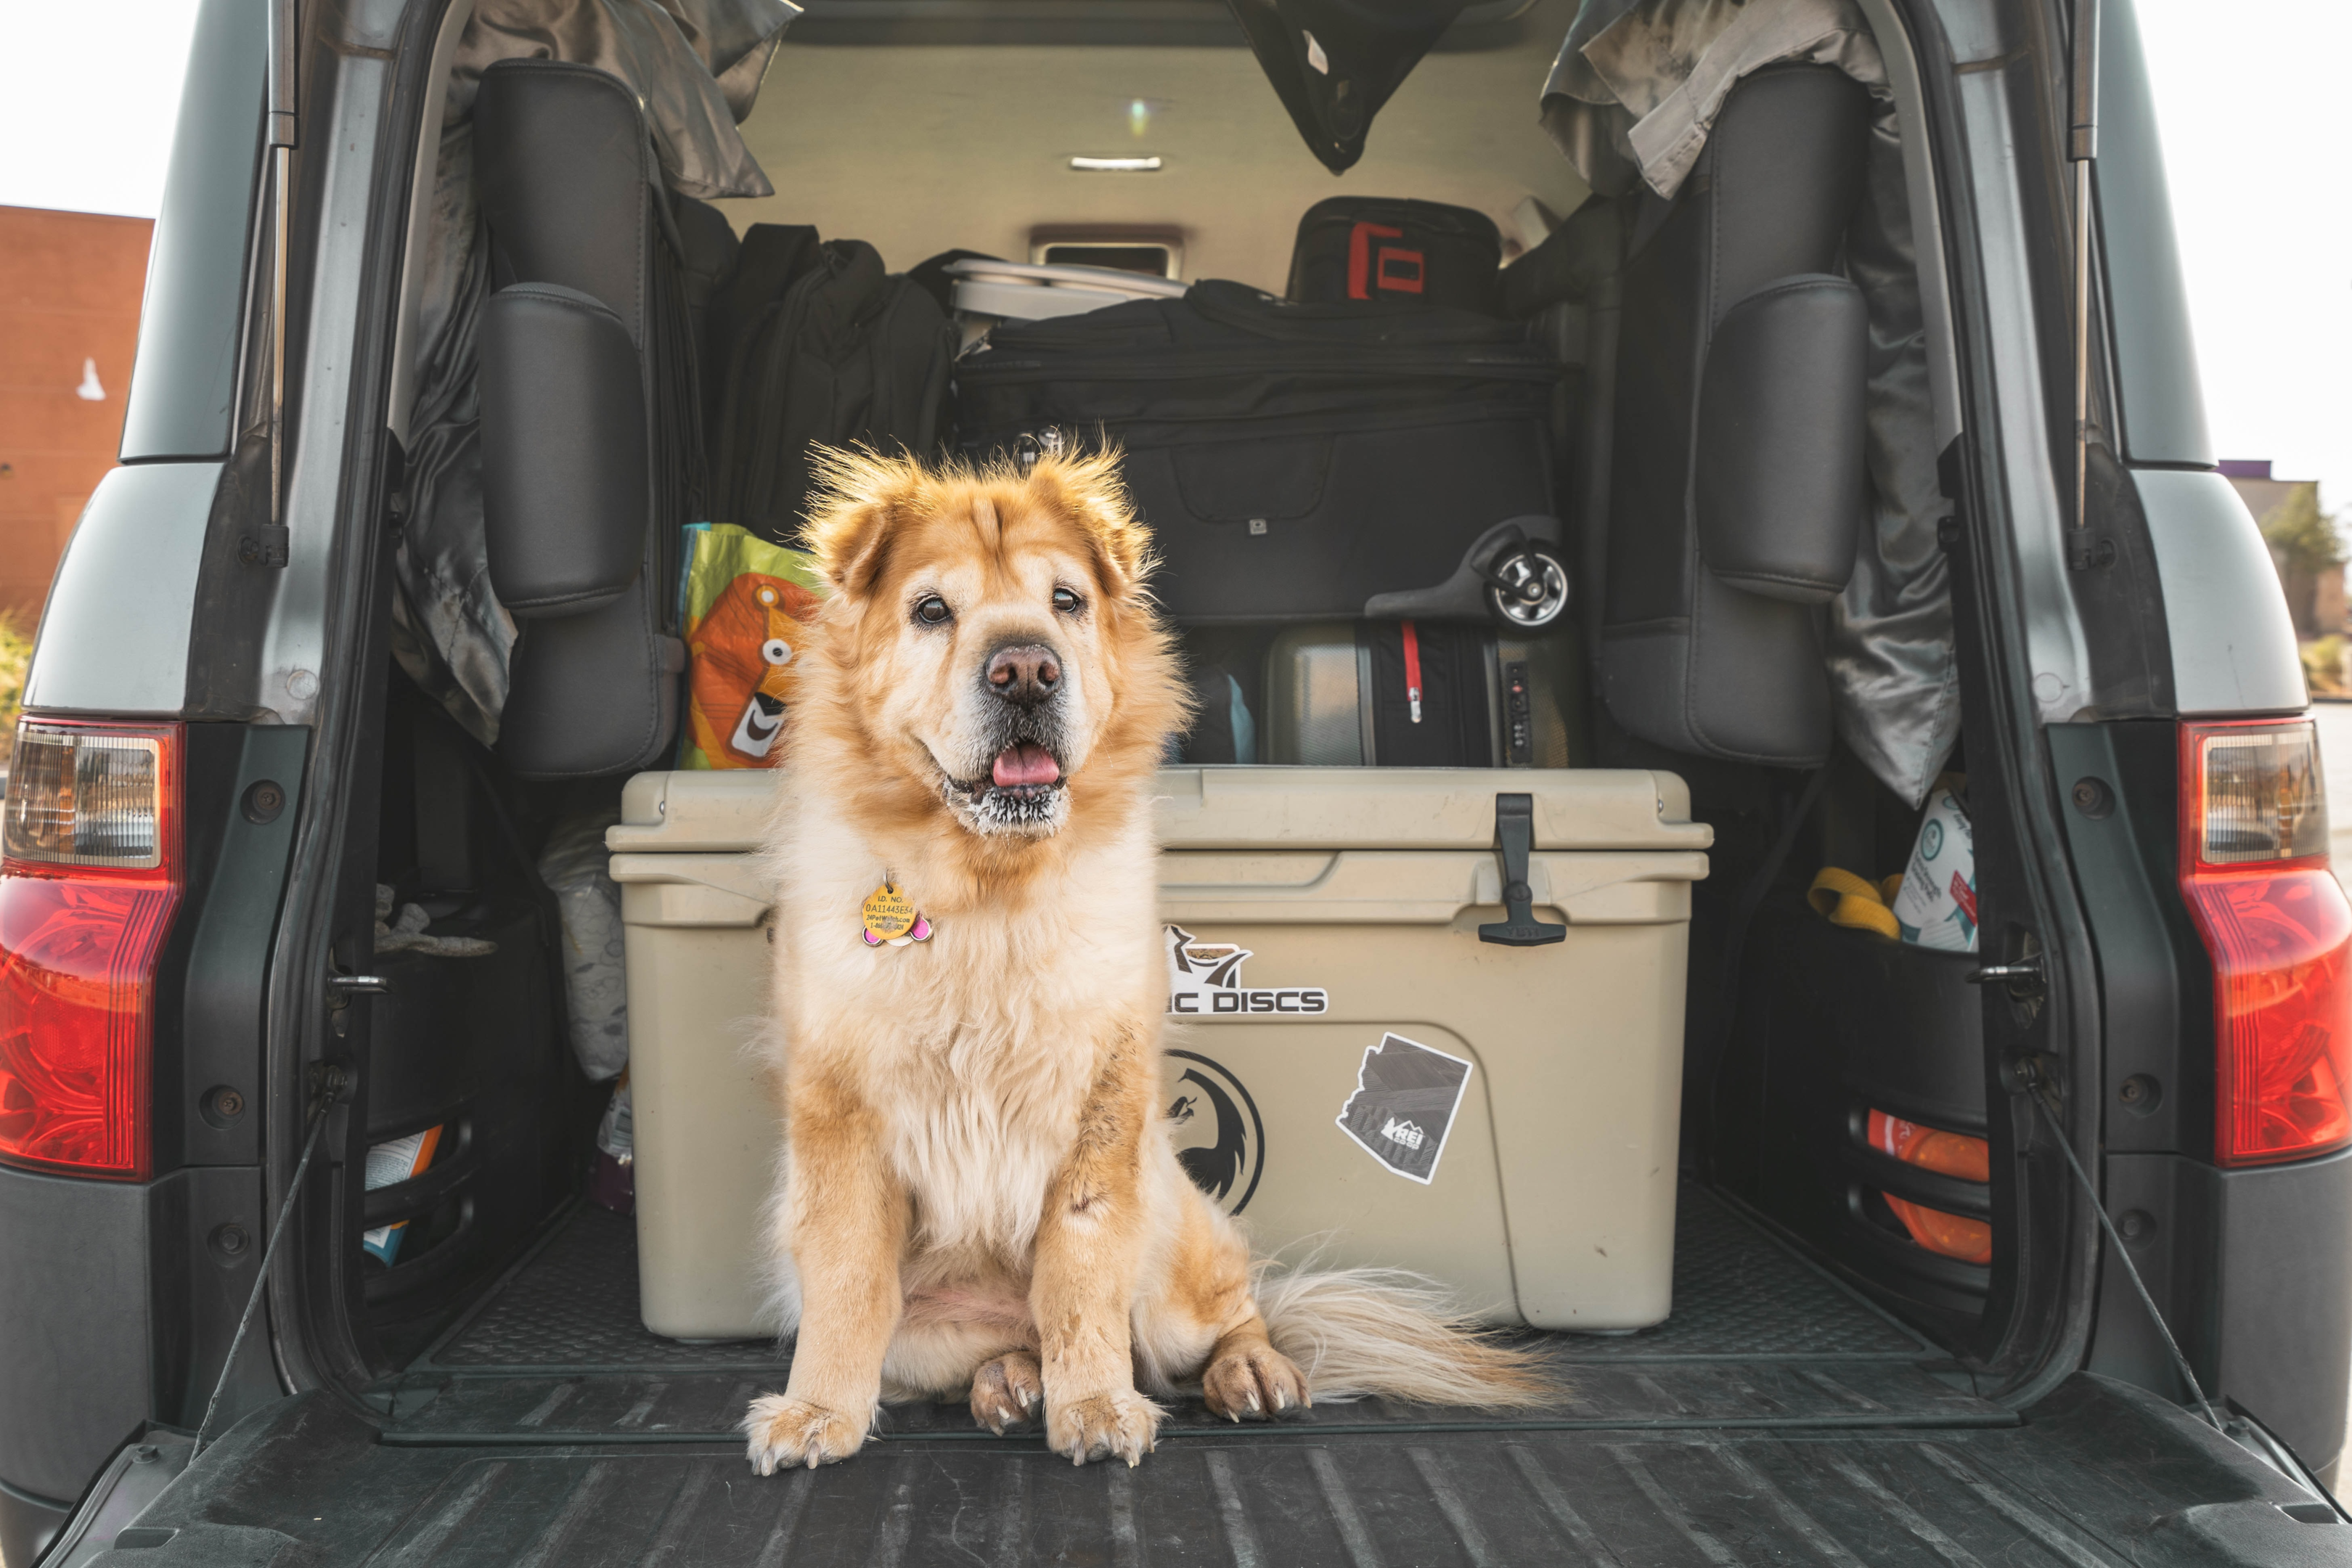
[1391, 694]
[1293, 461]
[1398, 252]
[822, 344]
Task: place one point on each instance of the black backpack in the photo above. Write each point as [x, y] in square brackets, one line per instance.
[820, 345]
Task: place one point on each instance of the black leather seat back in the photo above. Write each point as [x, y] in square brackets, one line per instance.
[1689, 660]
[572, 197]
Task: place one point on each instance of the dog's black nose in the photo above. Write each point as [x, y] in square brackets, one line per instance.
[1025, 673]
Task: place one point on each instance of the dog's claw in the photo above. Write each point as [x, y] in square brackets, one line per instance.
[1123, 1424]
[784, 1431]
[1255, 1384]
[1003, 1390]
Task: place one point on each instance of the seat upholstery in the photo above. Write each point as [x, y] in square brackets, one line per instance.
[1689, 661]
[572, 196]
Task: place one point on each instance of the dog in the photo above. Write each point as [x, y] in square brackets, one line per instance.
[978, 1190]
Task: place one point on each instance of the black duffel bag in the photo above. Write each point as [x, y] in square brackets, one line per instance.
[1292, 460]
[1408, 253]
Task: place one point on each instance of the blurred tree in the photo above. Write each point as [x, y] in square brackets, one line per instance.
[2309, 554]
[2303, 537]
[15, 655]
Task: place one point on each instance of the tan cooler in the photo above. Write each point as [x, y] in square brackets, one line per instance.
[1352, 1068]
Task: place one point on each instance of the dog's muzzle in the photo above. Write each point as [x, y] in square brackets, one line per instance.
[1025, 790]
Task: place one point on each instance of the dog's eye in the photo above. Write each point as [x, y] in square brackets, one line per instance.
[1068, 602]
[931, 610]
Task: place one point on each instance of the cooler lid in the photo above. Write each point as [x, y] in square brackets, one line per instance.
[720, 809]
[1422, 808]
[1258, 808]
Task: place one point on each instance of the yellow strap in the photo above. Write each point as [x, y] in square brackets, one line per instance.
[1845, 900]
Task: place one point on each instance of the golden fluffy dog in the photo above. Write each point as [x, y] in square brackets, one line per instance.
[977, 1191]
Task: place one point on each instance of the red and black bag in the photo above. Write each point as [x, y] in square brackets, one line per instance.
[1403, 252]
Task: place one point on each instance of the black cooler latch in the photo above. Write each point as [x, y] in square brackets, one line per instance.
[1515, 836]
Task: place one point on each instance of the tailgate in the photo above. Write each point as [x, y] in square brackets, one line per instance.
[1774, 1418]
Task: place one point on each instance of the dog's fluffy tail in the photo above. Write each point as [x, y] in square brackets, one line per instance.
[1396, 1334]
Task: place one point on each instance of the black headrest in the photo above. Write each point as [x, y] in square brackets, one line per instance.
[567, 181]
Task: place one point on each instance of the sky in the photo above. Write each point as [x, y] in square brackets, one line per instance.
[2255, 145]
[2254, 134]
[86, 124]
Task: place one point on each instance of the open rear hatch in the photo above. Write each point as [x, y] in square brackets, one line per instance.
[1732, 1400]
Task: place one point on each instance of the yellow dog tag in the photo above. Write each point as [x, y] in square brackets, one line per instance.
[888, 913]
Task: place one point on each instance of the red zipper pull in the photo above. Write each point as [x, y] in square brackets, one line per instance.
[1413, 669]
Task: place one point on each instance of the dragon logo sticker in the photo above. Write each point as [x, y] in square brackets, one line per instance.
[1220, 1137]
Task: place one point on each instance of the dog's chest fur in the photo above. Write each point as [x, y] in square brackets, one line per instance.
[978, 1047]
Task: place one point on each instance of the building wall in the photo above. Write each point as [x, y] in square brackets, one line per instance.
[69, 291]
[2329, 610]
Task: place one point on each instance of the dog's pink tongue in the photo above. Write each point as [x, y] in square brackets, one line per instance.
[1024, 763]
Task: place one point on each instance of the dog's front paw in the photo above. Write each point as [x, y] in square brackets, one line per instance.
[1254, 1385]
[787, 1432]
[1124, 1424]
[1006, 1391]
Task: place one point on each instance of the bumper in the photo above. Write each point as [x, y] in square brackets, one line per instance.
[2252, 1275]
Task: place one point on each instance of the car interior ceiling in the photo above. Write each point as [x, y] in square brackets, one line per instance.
[1798, 1030]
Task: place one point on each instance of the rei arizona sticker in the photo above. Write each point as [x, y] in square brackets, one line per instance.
[1406, 1095]
[1204, 981]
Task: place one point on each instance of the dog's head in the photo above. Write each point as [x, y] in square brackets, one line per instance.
[990, 633]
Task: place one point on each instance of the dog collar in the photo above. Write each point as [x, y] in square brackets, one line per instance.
[891, 918]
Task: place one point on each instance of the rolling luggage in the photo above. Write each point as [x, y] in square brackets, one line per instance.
[821, 345]
[1418, 694]
[1299, 461]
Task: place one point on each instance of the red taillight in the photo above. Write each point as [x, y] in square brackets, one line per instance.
[2254, 871]
[89, 873]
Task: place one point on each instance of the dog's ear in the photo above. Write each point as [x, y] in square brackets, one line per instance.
[854, 498]
[1088, 490]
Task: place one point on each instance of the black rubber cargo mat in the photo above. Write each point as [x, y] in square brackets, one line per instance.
[627, 1409]
[1759, 1338]
[571, 1305]
[2097, 1475]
